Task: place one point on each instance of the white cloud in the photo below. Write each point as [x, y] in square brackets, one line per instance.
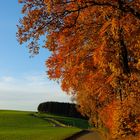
[27, 91]
[7, 79]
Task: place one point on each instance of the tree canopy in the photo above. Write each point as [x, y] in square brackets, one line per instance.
[60, 108]
[95, 47]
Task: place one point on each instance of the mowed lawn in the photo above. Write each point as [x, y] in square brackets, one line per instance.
[19, 125]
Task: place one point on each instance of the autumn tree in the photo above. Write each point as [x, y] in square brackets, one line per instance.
[95, 47]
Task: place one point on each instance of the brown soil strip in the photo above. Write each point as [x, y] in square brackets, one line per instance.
[85, 135]
[77, 135]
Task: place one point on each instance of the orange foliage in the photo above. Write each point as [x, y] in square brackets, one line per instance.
[95, 47]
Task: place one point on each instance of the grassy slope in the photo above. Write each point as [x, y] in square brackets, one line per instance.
[17, 125]
[75, 122]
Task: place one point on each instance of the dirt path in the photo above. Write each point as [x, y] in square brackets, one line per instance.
[90, 136]
[54, 122]
[86, 135]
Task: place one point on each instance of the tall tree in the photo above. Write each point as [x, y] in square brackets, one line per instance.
[95, 47]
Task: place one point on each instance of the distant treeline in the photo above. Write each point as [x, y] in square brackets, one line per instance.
[66, 109]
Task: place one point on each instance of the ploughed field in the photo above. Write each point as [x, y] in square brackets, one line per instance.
[20, 125]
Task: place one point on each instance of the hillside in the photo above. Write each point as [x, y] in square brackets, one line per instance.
[19, 125]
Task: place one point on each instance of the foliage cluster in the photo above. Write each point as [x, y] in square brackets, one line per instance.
[95, 47]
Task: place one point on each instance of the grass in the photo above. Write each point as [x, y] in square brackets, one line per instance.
[19, 125]
[69, 121]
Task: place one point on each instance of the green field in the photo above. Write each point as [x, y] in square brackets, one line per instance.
[19, 125]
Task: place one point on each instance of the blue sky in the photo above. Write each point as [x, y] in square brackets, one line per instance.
[23, 80]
